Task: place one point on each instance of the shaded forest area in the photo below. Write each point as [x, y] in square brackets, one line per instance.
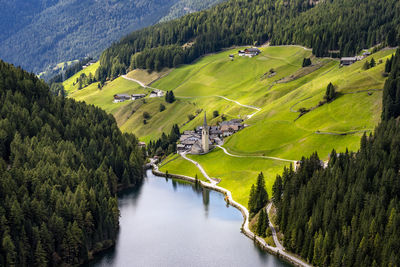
[344, 25]
[61, 163]
[349, 213]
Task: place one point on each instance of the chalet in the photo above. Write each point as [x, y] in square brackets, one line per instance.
[156, 93]
[180, 147]
[230, 127]
[215, 130]
[249, 52]
[142, 144]
[346, 61]
[137, 96]
[367, 53]
[121, 97]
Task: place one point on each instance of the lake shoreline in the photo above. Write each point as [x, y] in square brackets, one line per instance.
[244, 228]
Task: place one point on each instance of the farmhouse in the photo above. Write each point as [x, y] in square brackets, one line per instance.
[249, 52]
[137, 96]
[156, 93]
[121, 97]
[346, 61]
[230, 127]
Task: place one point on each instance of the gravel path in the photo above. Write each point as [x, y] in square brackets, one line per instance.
[249, 156]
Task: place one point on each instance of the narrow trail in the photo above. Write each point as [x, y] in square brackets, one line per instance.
[362, 91]
[223, 97]
[271, 226]
[249, 156]
[140, 83]
[227, 99]
[343, 133]
[211, 180]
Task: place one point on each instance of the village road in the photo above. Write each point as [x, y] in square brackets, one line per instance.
[249, 156]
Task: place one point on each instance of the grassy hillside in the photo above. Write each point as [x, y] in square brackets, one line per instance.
[275, 130]
[70, 84]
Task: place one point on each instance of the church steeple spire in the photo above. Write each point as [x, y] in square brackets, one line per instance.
[205, 139]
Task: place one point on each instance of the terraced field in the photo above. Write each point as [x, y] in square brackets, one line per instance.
[276, 83]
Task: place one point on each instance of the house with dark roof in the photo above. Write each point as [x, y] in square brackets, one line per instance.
[137, 96]
[249, 52]
[346, 61]
[121, 97]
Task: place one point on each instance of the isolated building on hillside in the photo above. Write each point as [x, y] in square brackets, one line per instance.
[249, 52]
[137, 96]
[121, 97]
[346, 61]
[156, 93]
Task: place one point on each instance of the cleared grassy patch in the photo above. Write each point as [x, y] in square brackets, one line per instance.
[147, 77]
[178, 165]
[69, 85]
[104, 97]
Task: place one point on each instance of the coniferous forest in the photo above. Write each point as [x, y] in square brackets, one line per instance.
[346, 26]
[61, 163]
[348, 214]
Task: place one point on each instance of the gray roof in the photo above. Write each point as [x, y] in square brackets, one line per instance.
[348, 59]
[253, 49]
[133, 95]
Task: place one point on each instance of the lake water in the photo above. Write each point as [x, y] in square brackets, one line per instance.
[173, 223]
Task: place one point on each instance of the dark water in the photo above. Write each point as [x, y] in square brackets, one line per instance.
[171, 223]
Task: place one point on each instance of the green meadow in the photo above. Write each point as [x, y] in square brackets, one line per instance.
[275, 82]
[69, 84]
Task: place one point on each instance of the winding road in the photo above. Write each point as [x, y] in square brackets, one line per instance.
[223, 97]
[211, 180]
[250, 156]
[140, 83]
[274, 236]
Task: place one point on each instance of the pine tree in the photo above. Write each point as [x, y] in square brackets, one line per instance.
[373, 63]
[330, 92]
[252, 201]
[261, 193]
[366, 65]
[40, 255]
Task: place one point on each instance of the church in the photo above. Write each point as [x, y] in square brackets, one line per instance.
[203, 146]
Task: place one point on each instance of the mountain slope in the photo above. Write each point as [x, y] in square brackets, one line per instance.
[61, 163]
[348, 26]
[274, 130]
[36, 33]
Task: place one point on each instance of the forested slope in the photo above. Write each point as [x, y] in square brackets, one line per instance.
[60, 165]
[37, 33]
[345, 25]
[349, 213]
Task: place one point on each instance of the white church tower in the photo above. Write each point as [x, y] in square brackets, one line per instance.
[205, 139]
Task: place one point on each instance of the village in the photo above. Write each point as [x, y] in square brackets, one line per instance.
[204, 138]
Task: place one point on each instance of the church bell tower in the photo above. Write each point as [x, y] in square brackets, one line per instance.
[205, 139]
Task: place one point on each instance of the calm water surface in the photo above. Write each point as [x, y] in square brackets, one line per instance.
[171, 223]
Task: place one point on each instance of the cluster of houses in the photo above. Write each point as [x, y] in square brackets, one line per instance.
[346, 61]
[123, 97]
[91, 62]
[204, 138]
